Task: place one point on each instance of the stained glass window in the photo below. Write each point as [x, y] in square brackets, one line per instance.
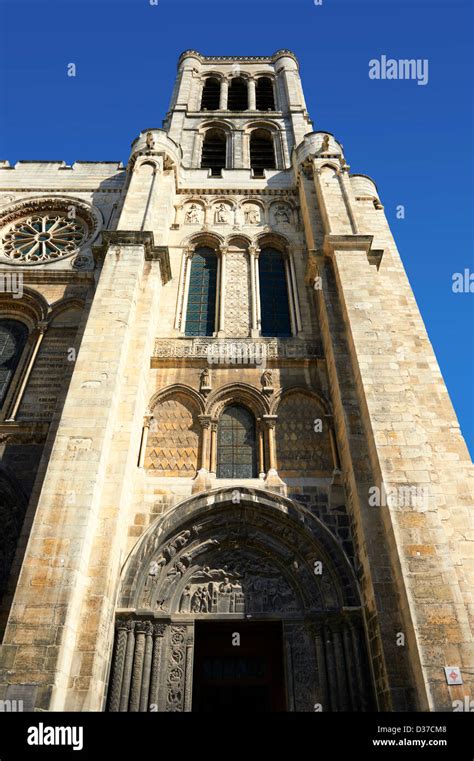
[236, 452]
[13, 337]
[201, 308]
[274, 294]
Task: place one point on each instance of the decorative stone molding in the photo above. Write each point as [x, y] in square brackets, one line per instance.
[237, 351]
[140, 238]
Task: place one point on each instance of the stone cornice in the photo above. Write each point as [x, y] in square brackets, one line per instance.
[354, 243]
[143, 238]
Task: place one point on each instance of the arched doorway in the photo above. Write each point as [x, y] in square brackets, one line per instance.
[239, 564]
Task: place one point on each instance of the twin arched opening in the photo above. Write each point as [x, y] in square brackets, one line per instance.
[267, 301]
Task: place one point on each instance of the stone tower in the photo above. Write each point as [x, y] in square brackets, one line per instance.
[221, 415]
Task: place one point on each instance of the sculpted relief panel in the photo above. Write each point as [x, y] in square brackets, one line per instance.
[236, 565]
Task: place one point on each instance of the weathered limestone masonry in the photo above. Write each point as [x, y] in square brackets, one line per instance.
[215, 360]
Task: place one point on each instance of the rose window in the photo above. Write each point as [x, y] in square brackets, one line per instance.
[43, 238]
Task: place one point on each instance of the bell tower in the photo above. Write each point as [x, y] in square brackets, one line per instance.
[256, 431]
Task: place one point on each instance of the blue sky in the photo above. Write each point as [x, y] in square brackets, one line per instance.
[415, 141]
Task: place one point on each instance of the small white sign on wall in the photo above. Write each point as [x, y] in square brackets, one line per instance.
[453, 674]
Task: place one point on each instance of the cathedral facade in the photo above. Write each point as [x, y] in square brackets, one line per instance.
[231, 474]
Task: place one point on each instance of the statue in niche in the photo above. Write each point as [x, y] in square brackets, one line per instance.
[222, 214]
[205, 381]
[325, 144]
[267, 379]
[150, 141]
[281, 214]
[193, 216]
[252, 216]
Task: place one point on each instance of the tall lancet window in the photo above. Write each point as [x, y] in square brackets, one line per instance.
[210, 94]
[13, 336]
[238, 95]
[214, 151]
[265, 97]
[275, 308]
[201, 306]
[262, 151]
[236, 451]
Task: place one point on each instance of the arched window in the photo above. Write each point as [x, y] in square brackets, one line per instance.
[13, 336]
[201, 307]
[210, 94]
[214, 151]
[265, 97]
[275, 308]
[236, 451]
[238, 95]
[262, 152]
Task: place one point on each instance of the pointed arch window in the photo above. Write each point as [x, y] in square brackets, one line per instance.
[13, 337]
[275, 307]
[210, 94]
[236, 447]
[201, 305]
[214, 151]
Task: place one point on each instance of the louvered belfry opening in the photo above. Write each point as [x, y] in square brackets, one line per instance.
[262, 153]
[265, 96]
[214, 151]
[210, 95]
[238, 95]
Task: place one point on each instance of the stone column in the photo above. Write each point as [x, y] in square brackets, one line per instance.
[213, 467]
[205, 421]
[127, 671]
[143, 445]
[253, 262]
[118, 665]
[252, 94]
[261, 449]
[321, 661]
[224, 94]
[222, 286]
[273, 480]
[291, 303]
[257, 294]
[156, 665]
[40, 331]
[137, 671]
[146, 667]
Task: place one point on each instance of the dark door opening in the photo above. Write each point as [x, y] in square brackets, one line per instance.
[248, 677]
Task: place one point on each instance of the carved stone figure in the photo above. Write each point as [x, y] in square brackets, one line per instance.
[281, 214]
[325, 144]
[205, 381]
[252, 216]
[222, 214]
[193, 216]
[150, 141]
[267, 379]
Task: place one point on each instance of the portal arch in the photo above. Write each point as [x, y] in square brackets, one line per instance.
[238, 554]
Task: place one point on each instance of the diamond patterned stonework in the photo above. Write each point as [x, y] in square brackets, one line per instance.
[237, 302]
[173, 441]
